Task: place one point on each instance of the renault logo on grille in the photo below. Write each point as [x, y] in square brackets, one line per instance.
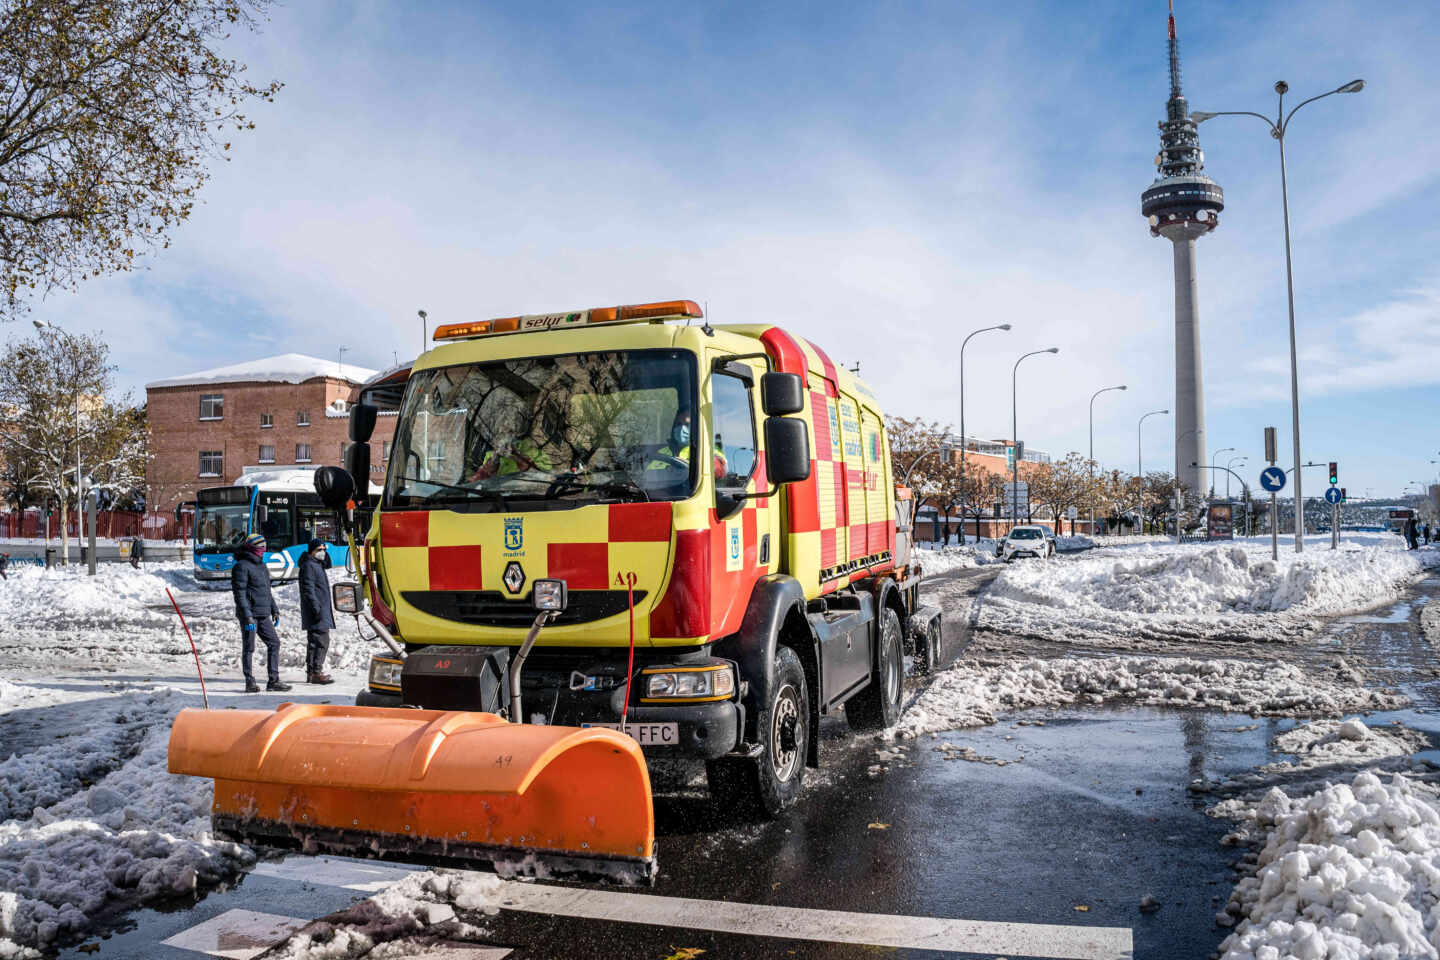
[513, 577]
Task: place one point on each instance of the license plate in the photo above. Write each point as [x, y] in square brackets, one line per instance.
[648, 734]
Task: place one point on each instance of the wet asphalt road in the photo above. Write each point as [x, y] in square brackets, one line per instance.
[1091, 812]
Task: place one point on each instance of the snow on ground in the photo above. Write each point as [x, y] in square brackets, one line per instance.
[937, 559]
[94, 669]
[1227, 591]
[974, 692]
[63, 619]
[1348, 872]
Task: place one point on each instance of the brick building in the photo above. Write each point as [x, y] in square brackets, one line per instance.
[991, 457]
[207, 427]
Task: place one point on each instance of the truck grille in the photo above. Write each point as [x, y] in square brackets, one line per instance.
[491, 608]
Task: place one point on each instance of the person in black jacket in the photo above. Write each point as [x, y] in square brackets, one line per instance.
[255, 606]
[317, 617]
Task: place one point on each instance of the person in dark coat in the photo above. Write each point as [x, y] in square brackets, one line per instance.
[1412, 533]
[317, 617]
[137, 552]
[4, 562]
[255, 606]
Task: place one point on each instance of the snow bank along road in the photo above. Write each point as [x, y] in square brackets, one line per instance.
[93, 826]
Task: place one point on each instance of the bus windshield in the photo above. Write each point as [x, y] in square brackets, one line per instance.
[219, 529]
[552, 431]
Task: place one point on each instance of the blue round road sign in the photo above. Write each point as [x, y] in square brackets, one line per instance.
[1272, 479]
[1332, 495]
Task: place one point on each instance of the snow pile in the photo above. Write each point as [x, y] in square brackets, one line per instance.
[1234, 591]
[974, 692]
[1350, 872]
[400, 921]
[974, 553]
[122, 617]
[1324, 743]
[139, 835]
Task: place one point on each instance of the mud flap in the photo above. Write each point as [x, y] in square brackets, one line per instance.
[935, 645]
[455, 787]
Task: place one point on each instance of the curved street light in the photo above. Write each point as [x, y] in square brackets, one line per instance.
[1140, 459]
[998, 326]
[1092, 451]
[1015, 430]
[1231, 463]
[1278, 128]
[1214, 461]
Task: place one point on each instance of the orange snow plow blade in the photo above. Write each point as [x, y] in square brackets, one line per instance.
[463, 788]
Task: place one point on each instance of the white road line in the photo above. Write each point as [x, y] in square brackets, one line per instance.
[236, 934]
[367, 876]
[1051, 941]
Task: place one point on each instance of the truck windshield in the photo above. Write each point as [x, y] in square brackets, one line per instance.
[558, 431]
[219, 529]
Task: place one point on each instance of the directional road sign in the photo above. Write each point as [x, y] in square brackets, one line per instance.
[1272, 479]
[1332, 495]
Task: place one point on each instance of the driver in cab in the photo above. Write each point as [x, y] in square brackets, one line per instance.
[677, 447]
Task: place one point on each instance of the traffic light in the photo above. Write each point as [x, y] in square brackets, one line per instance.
[1342, 494]
[1334, 472]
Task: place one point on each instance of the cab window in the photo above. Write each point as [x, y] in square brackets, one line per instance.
[734, 419]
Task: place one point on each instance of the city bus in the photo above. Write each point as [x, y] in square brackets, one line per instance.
[281, 506]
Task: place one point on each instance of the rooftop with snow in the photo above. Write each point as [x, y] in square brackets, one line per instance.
[285, 368]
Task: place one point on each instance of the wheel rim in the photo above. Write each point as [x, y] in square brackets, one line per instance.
[892, 670]
[787, 733]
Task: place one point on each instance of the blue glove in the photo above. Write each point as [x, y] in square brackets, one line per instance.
[248, 627]
[276, 618]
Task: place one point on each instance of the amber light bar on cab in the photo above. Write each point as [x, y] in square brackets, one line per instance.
[663, 310]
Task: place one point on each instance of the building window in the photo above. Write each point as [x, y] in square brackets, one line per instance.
[212, 463]
[212, 406]
[302, 453]
[344, 449]
[302, 418]
[267, 420]
[267, 453]
[385, 452]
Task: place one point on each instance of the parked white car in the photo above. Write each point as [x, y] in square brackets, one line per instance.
[1026, 541]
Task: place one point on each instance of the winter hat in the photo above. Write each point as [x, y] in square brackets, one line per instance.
[255, 543]
[317, 542]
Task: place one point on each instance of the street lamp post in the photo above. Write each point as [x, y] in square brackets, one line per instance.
[1015, 432]
[1000, 326]
[1140, 461]
[1092, 452]
[1278, 128]
[423, 318]
[1228, 465]
[1214, 464]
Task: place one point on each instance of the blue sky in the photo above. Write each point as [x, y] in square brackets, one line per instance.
[881, 178]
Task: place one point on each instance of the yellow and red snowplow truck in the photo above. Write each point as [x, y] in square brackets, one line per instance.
[594, 521]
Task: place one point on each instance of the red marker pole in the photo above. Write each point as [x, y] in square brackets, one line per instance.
[203, 695]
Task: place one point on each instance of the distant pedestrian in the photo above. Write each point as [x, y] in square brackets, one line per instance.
[1412, 533]
[137, 552]
[317, 617]
[255, 606]
[1427, 532]
[4, 562]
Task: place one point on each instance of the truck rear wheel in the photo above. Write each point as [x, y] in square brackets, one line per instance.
[878, 705]
[770, 783]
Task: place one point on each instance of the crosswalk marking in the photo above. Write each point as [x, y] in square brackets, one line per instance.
[236, 934]
[1050, 941]
[367, 876]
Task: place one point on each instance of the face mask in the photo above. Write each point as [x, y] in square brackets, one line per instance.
[681, 434]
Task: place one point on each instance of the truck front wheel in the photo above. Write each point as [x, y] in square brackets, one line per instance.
[878, 705]
[770, 783]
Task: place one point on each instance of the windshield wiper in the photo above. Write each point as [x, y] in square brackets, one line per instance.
[625, 486]
[471, 493]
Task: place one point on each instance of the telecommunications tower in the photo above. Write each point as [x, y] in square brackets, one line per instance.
[1182, 206]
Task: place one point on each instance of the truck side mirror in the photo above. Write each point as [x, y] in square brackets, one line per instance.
[781, 394]
[357, 464]
[334, 486]
[362, 422]
[787, 449]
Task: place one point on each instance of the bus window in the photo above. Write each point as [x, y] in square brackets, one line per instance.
[278, 528]
[317, 523]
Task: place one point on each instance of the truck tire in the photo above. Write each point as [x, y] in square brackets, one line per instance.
[769, 784]
[878, 705]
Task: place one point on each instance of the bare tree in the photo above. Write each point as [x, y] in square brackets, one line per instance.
[53, 410]
[109, 112]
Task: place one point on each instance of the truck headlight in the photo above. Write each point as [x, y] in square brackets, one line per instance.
[690, 683]
[385, 671]
[549, 595]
